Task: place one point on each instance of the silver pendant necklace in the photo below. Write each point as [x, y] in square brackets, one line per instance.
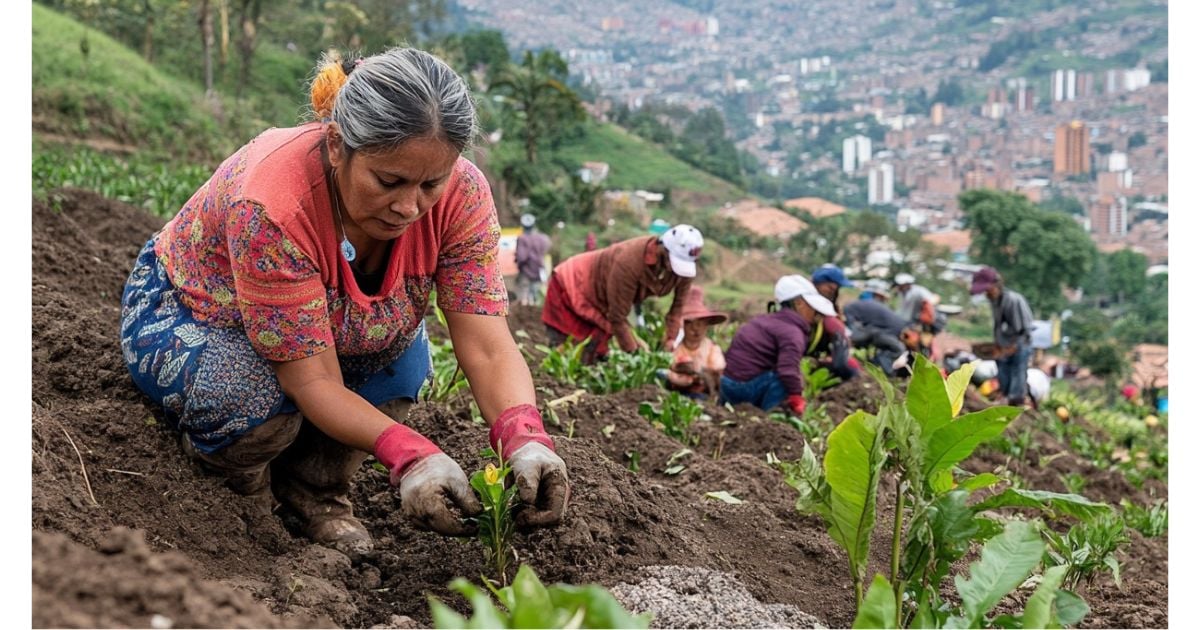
[348, 251]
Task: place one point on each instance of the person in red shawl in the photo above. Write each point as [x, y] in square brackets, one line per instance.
[590, 295]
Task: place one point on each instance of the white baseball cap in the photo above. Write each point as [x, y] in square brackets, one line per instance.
[792, 287]
[528, 220]
[905, 278]
[683, 243]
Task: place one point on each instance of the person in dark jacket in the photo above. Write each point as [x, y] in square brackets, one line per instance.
[873, 325]
[1012, 328]
[762, 365]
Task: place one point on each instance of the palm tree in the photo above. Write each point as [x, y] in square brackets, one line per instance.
[535, 92]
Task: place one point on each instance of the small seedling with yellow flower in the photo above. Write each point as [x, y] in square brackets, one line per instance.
[496, 520]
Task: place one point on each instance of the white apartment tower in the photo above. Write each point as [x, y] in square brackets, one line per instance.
[881, 184]
[1063, 85]
[856, 152]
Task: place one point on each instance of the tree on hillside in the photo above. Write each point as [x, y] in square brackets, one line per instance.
[1126, 271]
[536, 94]
[1039, 252]
[484, 49]
[703, 139]
[250, 12]
[206, 39]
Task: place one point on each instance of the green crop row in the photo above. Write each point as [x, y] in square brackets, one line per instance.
[141, 180]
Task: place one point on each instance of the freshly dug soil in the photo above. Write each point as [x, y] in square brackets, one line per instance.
[138, 530]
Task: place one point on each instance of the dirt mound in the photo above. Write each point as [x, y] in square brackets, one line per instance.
[194, 553]
[124, 583]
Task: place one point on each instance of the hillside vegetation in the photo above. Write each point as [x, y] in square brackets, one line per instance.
[151, 133]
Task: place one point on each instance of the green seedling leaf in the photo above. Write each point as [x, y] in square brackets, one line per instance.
[485, 614]
[1007, 621]
[722, 495]
[594, 608]
[956, 386]
[955, 441]
[1071, 607]
[608, 429]
[1114, 565]
[926, 399]
[942, 482]
[380, 467]
[635, 460]
[1050, 502]
[806, 477]
[878, 609]
[530, 599]
[1039, 610]
[853, 463]
[978, 482]
[674, 470]
[1004, 563]
[986, 529]
[889, 392]
[487, 453]
[444, 617]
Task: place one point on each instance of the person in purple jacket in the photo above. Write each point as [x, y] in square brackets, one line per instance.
[762, 365]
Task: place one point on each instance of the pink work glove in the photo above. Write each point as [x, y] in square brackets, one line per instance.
[541, 475]
[796, 404]
[434, 491]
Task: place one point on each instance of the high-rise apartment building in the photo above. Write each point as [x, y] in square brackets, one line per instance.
[1072, 150]
[1110, 216]
[1062, 85]
[881, 184]
[856, 151]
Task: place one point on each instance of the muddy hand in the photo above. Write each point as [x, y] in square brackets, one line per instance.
[435, 495]
[542, 486]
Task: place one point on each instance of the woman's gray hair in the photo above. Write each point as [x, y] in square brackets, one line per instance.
[400, 94]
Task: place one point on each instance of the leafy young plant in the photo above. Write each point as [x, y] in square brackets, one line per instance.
[1006, 561]
[816, 379]
[496, 521]
[673, 415]
[530, 604]
[919, 439]
[1151, 521]
[564, 362]
[1088, 548]
[624, 370]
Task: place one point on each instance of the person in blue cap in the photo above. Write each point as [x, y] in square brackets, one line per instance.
[830, 344]
[829, 279]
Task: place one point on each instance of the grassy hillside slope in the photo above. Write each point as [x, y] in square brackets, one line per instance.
[113, 94]
[635, 163]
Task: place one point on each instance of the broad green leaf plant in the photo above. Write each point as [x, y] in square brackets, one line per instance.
[920, 440]
[530, 604]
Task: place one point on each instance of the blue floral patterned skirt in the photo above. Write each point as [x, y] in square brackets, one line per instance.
[211, 383]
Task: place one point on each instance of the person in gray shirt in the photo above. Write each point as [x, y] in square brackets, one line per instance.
[1012, 325]
[873, 325]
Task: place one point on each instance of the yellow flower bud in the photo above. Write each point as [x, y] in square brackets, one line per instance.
[491, 475]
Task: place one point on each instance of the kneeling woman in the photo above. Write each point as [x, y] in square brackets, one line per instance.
[278, 318]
